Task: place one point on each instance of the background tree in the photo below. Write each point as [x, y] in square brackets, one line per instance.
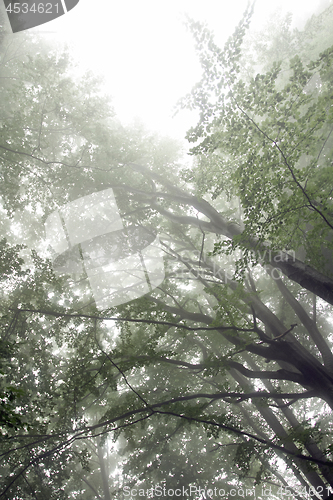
[211, 363]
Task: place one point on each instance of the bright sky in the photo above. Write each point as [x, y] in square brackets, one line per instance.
[145, 52]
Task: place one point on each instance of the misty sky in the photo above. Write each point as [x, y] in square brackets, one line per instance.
[145, 52]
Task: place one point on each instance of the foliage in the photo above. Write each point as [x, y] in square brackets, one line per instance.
[275, 126]
[206, 381]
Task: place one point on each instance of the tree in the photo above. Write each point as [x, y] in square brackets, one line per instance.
[275, 126]
[223, 360]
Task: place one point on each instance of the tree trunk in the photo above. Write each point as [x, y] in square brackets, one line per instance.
[312, 477]
[105, 479]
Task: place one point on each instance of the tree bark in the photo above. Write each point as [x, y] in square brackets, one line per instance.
[312, 476]
[303, 274]
[105, 479]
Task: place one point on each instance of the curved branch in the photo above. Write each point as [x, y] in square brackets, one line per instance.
[308, 323]
[281, 374]
[133, 320]
[298, 184]
[88, 431]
